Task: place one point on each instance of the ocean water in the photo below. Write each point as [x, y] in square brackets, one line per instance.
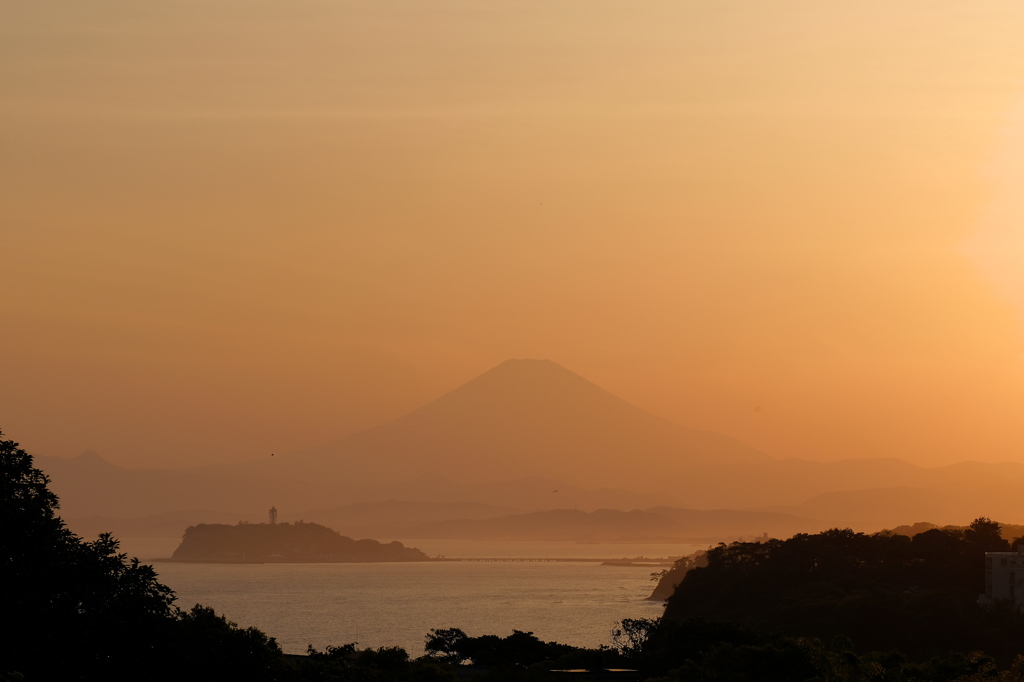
[396, 604]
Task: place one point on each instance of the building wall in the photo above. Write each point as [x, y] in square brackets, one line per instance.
[1004, 577]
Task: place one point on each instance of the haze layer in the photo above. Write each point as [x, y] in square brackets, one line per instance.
[235, 228]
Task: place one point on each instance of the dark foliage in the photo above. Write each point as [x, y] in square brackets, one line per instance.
[520, 649]
[882, 592]
[670, 578]
[205, 646]
[78, 610]
[387, 664]
[101, 607]
[699, 650]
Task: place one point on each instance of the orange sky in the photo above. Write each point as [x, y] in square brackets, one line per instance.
[239, 226]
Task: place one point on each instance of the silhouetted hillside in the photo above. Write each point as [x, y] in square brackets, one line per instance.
[1010, 532]
[881, 591]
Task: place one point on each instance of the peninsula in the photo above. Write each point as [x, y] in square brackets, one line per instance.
[298, 542]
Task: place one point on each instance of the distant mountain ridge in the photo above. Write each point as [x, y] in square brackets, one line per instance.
[530, 435]
[659, 524]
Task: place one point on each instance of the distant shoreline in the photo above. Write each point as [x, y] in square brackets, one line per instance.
[639, 562]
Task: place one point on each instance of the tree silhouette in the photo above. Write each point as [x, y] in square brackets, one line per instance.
[881, 591]
[79, 610]
[102, 608]
[985, 535]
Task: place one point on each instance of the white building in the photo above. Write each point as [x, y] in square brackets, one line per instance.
[1004, 577]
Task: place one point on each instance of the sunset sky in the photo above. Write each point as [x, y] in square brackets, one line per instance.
[234, 227]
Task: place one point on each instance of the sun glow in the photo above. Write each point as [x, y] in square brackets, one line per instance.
[997, 247]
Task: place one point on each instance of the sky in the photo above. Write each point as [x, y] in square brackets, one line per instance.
[233, 227]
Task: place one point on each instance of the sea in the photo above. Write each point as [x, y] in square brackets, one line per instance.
[397, 604]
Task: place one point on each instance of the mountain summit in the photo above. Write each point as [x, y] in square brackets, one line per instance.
[532, 435]
[528, 418]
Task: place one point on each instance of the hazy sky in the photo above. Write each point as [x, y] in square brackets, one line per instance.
[234, 227]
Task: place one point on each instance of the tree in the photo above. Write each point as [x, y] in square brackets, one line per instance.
[985, 535]
[102, 609]
[632, 635]
[81, 610]
[446, 644]
[520, 649]
[206, 646]
[883, 591]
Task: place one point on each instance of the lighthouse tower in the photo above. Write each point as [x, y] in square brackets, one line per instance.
[273, 515]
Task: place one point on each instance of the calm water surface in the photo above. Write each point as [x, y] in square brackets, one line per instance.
[396, 604]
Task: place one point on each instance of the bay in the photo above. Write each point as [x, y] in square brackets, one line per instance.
[397, 604]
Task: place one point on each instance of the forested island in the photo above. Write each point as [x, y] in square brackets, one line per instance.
[298, 542]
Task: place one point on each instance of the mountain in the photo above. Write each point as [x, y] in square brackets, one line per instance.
[534, 419]
[526, 418]
[530, 435]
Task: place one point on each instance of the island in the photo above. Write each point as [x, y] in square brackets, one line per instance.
[298, 542]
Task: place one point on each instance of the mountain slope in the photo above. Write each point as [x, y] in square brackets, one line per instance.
[527, 418]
